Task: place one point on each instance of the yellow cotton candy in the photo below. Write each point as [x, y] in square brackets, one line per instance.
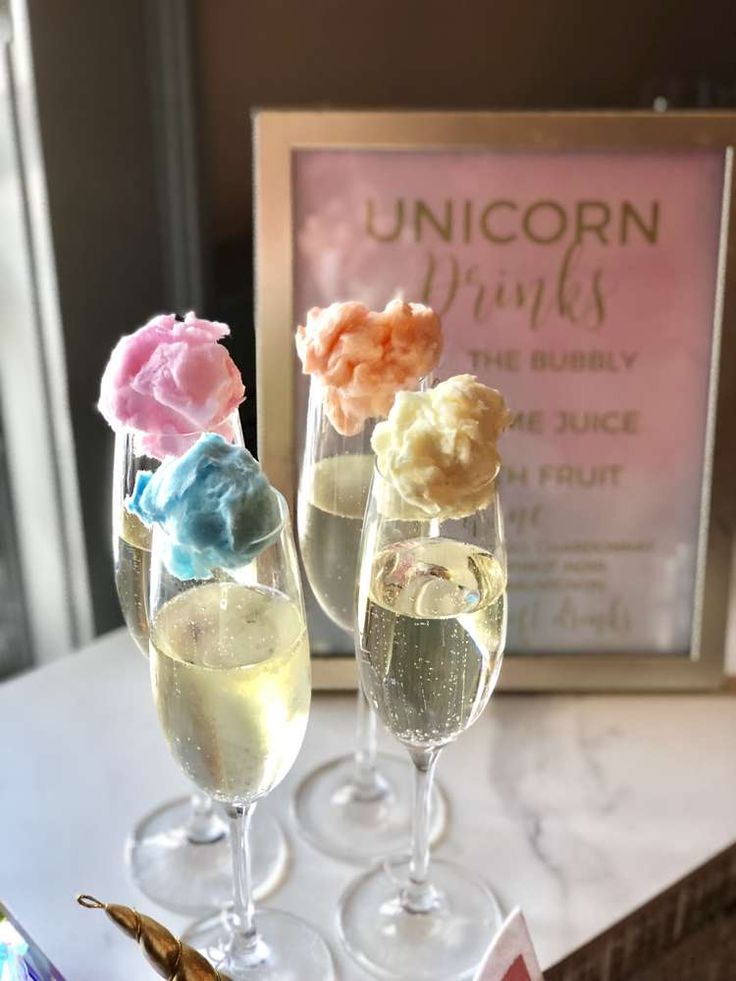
[438, 448]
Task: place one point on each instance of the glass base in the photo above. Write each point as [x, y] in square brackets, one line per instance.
[444, 944]
[336, 819]
[292, 950]
[195, 878]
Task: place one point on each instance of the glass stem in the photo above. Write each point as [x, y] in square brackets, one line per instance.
[368, 784]
[204, 825]
[246, 949]
[418, 895]
[365, 740]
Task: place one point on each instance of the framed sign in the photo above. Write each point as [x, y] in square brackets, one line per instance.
[579, 265]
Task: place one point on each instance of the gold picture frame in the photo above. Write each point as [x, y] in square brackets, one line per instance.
[279, 133]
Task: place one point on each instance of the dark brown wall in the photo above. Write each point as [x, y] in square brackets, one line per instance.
[434, 54]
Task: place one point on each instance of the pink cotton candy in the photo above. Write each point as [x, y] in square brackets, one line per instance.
[364, 357]
[171, 377]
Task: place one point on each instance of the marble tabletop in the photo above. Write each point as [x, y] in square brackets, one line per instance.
[578, 808]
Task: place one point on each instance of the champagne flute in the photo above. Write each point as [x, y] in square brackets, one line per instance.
[356, 807]
[432, 627]
[231, 679]
[179, 855]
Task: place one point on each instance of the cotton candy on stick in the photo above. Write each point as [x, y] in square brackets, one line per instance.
[169, 379]
[438, 448]
[364, 357]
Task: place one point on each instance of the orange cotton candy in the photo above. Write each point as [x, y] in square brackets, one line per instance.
[364, 357]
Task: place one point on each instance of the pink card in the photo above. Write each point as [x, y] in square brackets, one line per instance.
[511, 956]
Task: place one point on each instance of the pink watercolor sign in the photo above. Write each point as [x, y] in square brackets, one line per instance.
[582, 285]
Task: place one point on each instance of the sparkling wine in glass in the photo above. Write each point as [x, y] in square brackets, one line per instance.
[179, 855]
[356, 807]
[432, 628]
[230, 672]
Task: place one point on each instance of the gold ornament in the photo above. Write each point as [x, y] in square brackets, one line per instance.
[171, 958]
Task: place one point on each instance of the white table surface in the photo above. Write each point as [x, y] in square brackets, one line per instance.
[577, 808]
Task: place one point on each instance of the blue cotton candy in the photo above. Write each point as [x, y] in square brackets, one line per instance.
[215, 505]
